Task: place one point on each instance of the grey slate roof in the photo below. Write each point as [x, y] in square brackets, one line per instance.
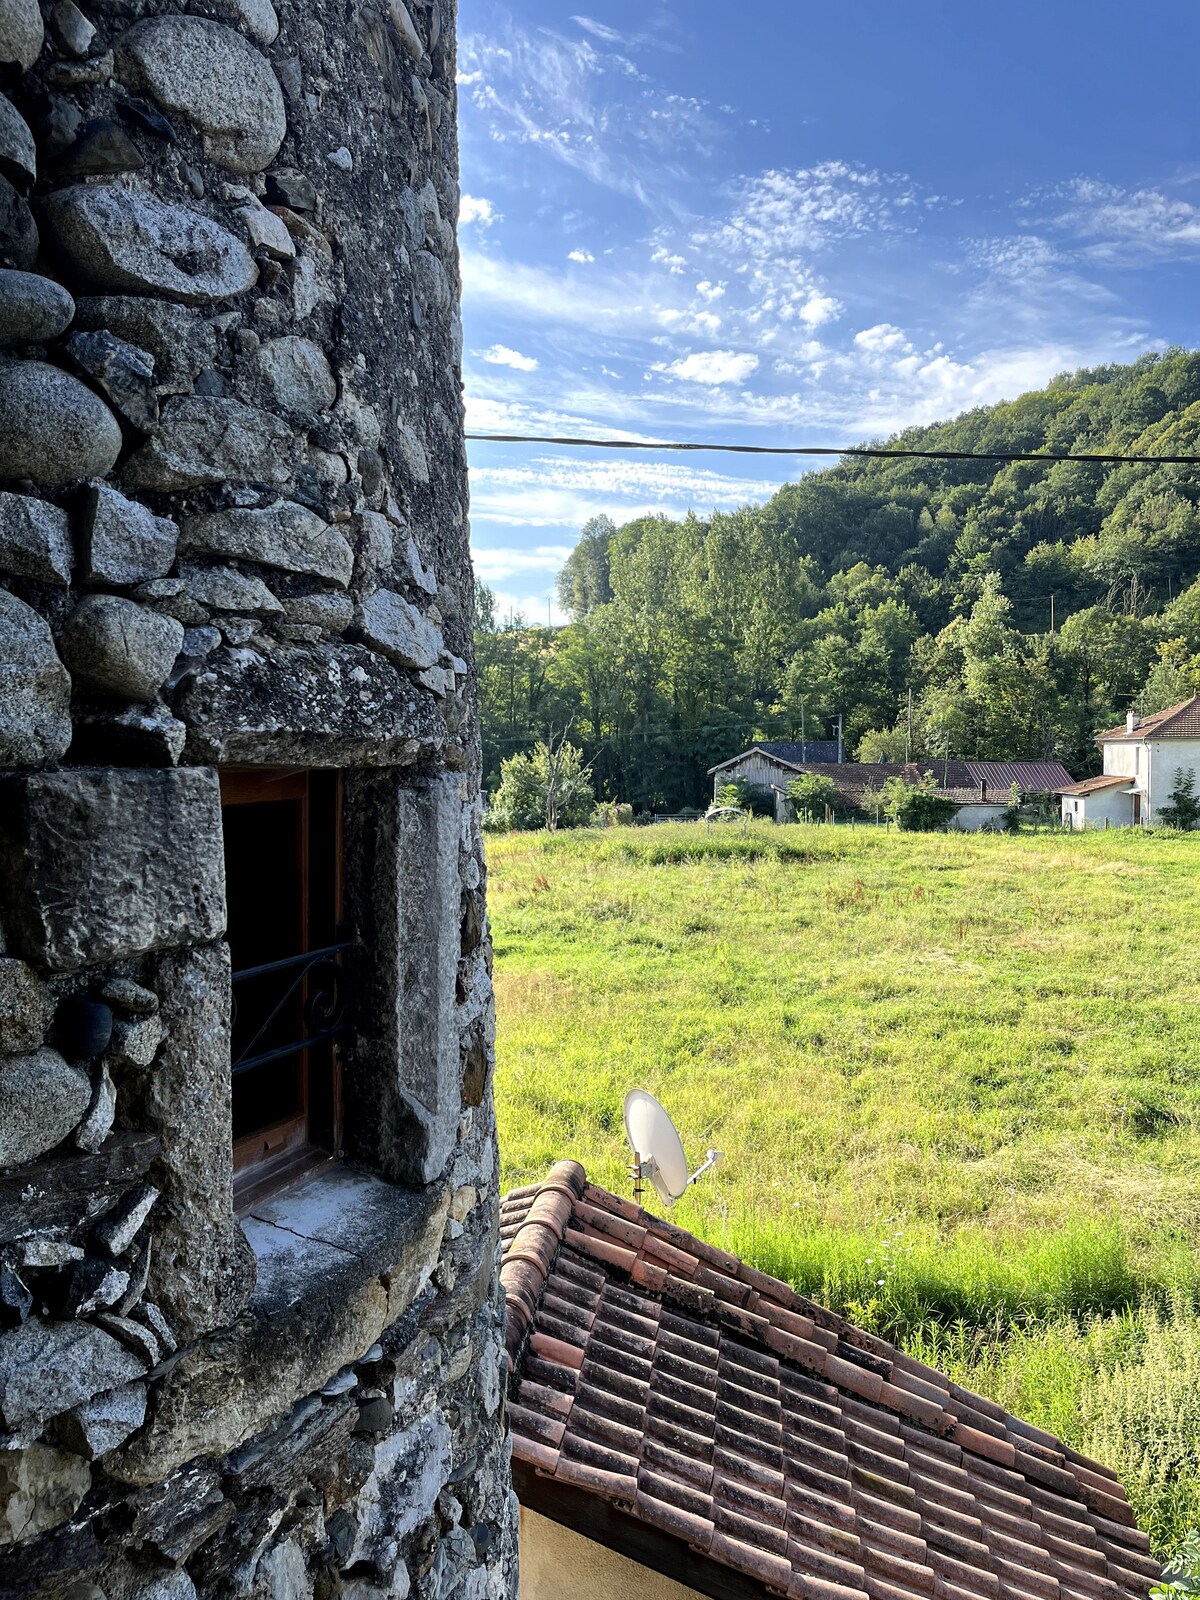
[791, 752]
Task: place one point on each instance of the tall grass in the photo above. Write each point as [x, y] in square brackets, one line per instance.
[954, 1078]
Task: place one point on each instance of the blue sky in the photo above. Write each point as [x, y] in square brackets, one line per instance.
[777, 223]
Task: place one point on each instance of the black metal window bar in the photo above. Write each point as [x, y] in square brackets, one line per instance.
[316, 978]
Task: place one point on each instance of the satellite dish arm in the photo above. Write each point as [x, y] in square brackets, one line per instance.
[646, 1167]
[713, 1159]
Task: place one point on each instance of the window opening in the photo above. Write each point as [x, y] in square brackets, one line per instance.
[283, 876]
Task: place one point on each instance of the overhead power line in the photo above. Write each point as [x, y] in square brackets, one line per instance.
[879, 453]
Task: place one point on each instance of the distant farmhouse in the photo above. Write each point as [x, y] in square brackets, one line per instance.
[982, 789]
[1142, 762]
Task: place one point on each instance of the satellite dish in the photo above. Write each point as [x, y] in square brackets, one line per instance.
[657, 1148]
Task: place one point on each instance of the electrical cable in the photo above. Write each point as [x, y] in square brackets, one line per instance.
[878, 454]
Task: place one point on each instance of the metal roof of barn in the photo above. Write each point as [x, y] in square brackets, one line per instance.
[1031, 777]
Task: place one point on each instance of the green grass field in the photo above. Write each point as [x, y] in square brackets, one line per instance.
[956, 1081]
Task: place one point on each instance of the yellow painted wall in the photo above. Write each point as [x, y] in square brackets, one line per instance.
[559, 1564]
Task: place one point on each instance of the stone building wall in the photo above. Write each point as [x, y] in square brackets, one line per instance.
[233, 535]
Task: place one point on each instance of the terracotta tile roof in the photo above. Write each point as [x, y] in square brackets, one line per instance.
[1176, 722]
[1091, 785]
[663, 1378]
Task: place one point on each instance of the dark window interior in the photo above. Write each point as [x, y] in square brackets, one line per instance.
[283, 891]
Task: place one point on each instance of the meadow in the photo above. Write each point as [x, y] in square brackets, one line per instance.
[954, 1079]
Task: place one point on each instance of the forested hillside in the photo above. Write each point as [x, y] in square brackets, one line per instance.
[1024, 605]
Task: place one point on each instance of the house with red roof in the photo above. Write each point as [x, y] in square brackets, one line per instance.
[1143, 760]
[685, 1425]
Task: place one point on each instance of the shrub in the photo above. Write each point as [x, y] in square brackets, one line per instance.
[1184, 809]
[813, 792]
[1182, 1573]
[542, 790]
[917, 807]
[612, 814]
[1012, 811]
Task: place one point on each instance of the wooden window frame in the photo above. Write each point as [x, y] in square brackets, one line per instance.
[280, 1153]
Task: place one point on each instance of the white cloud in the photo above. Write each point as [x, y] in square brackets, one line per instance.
[706, 322]
[710, 291]
[665, 258]
[539, 294]
[561, 491]
[501, 356]
[783, 214]
[507, 413]
[882, 338]
[533, 610]
[472, 208]
[584, 257]
[712, 367]
[819, 309]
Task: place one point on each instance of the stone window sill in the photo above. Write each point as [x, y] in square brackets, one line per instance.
[341, 1256]
[328, 1230]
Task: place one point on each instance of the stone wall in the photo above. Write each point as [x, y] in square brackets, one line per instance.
[233, 533]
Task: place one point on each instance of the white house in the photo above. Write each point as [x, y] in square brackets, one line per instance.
[1142, 763]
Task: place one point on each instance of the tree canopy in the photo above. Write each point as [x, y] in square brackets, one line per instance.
[1020, 605]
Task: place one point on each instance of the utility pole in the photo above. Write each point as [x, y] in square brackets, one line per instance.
[841, 741]
[908, 735]
[803, 735]
[1052, 614]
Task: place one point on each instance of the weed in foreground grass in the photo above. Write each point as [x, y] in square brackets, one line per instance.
[1124, 1390]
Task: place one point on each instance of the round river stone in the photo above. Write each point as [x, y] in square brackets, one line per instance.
[217, 79]
[33, 309]
[52, 428]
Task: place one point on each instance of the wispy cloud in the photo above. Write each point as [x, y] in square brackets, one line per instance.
[495, 564]
[584, 102]
[1122, 226]
[501, 355]
[564, 491]
[599, 30]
